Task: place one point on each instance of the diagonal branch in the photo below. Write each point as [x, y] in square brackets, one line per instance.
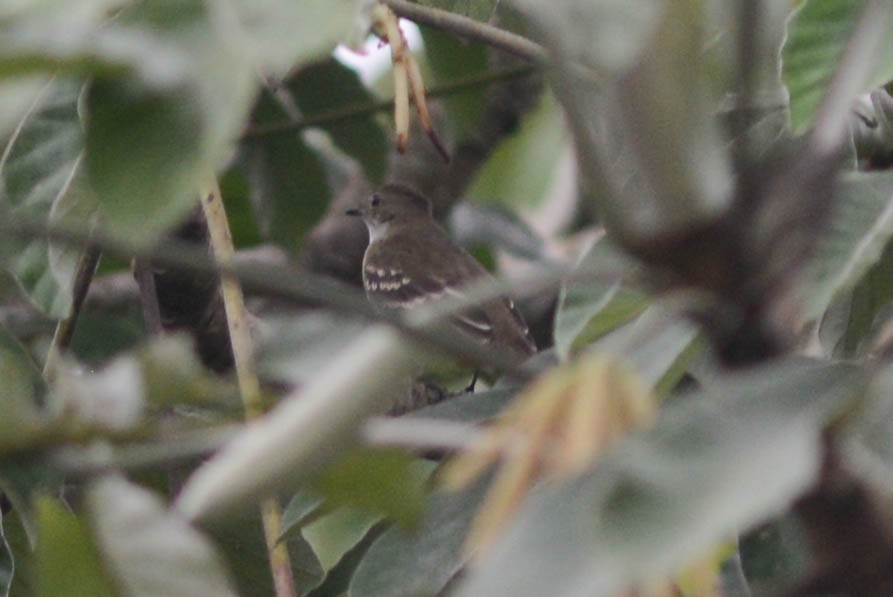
[470, 29]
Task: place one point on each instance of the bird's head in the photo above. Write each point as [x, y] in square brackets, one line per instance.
[390, 205]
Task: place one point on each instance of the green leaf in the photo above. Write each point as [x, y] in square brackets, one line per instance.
[363, 487]
[21, 391]
[524, 168]
[817, 35]
[39, 168]
[278, 34]
[236, 192]
[327, 86]
[594, 302]
[67, 559]
[332, 536]
[337, 580]
[149, 550]
[659, 345]
[690, 476]
[101, 334]
[170, 94]
[299, 509]
[861, 226]
[389, 482]
[241, 542]
[144, 150]
[288, 184]
[401, 563]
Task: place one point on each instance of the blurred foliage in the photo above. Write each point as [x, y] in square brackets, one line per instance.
[691, 216]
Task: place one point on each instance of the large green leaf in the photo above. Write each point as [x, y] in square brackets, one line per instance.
[693, 475]
[40, 169]
[326, 86]
[147, 549]
[387, 482]
[524, 168]
[332, 536]
[861, 226]
[817, 35]
[381, 483]
[421, 562]
[289, 188]
[278, 34]
[68, 560]
[141, 195]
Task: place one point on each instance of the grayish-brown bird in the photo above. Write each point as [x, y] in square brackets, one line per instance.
[410, 262]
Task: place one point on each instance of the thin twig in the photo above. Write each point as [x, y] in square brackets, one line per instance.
[364, 109]
[145, 280]
[221, 243]
[470, 29]
[86, 267]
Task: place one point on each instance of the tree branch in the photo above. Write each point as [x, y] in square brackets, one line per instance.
[470, 29]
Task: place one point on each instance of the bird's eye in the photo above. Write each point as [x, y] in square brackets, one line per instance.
[376, 199]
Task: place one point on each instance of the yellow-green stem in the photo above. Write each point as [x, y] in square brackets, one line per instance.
[243, 357]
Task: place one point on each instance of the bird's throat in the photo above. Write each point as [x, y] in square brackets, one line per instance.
[377, 231]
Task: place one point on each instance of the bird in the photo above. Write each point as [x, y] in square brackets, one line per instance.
[412, 262]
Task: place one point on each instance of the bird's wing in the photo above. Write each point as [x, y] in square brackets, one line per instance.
[392, 288]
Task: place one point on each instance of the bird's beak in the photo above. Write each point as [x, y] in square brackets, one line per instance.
[353, 211]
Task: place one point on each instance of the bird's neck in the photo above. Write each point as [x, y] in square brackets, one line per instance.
[399, 227]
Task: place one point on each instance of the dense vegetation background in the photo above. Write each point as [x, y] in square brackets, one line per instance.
[689, 199]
